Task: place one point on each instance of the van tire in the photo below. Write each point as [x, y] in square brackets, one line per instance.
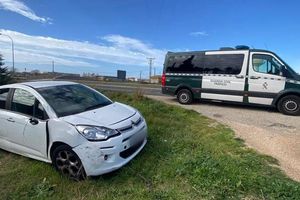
[184, 96]
[289, 105]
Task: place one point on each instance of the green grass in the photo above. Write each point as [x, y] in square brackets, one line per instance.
[188, 156]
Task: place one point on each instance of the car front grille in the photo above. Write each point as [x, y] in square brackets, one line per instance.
[133, 123]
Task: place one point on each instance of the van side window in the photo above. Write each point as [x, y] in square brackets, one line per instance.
[192, 63]
[266, 64]
[224, 64]
[3, 97]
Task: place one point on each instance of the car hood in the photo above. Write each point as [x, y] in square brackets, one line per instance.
[105, 116]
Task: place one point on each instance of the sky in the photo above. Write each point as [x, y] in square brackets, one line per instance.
[102, 36]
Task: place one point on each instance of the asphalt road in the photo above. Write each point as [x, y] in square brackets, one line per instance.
[146, 89]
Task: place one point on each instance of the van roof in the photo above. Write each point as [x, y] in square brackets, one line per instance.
[233, 50]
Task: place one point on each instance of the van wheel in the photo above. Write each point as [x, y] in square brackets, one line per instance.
[289, 105]
[184, 96]
[66, 161]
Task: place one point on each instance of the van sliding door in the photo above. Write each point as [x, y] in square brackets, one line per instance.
[224, 75]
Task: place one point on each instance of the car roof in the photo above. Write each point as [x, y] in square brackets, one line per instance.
[42, 84]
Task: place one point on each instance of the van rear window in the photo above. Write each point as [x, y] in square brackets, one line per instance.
[206, 64]
[185, 63]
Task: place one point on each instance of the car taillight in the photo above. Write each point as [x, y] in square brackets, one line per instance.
[163, 80]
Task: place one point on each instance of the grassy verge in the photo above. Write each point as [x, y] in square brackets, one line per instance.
[188, 157]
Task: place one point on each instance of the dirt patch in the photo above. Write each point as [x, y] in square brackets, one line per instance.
[217, 115]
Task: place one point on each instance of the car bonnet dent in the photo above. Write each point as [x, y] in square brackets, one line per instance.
[104, 116]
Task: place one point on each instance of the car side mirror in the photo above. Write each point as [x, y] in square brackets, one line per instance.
[33, 121]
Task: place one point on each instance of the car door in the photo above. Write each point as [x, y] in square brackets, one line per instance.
[224, 75]
[26, 125]
[265, 78]
[3, 111]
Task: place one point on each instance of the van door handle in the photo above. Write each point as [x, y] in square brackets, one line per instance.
[239, 76]
[10, 120]
[254, 77]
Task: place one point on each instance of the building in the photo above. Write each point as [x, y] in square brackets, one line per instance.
[155, 79]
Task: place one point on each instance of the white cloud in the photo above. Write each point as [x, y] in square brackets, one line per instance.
[199, 33]
[20, 8]
[42, 50]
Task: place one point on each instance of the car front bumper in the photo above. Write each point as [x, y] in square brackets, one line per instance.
[106, 156]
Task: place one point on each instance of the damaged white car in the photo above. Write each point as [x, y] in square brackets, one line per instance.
[76, 128]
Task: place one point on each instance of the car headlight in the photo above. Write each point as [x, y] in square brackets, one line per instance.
[96, 133]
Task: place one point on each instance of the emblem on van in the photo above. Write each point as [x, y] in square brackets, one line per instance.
[265, 85]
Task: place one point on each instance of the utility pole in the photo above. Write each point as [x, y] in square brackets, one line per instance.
[140, 76]
[53, 66]
[150, 67]
[154, 71]
[12, 51]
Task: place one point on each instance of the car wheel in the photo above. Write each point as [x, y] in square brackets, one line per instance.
[289, 105]
[184, 96]
[68, 163]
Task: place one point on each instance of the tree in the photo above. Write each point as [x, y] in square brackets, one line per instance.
[5, 75]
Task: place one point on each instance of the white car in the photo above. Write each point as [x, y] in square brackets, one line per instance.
[76, 128]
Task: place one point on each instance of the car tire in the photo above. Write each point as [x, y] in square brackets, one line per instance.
[185, 96]
[66, 161]
[289, 105]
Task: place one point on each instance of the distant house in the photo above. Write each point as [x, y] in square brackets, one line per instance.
[133, 79]
[155, 79]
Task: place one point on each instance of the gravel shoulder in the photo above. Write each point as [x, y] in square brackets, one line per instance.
[263, 129]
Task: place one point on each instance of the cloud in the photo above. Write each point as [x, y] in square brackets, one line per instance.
[115, 49]
[20, 8]
[198, 33]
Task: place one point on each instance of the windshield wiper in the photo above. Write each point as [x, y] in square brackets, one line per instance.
[96, 106]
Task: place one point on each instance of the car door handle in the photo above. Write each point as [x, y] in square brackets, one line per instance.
[10, 120]
[239, 76]
[254, 77]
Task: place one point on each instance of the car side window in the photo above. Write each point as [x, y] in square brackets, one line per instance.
[39, 111]
[266, 64]
[3, 97]
[26, 103]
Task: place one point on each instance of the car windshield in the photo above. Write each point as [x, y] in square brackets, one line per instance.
[72, 99]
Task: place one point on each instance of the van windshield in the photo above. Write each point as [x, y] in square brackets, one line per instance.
[291, 72]
[72, 99]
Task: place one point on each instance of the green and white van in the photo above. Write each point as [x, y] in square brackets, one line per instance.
[243, 75]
